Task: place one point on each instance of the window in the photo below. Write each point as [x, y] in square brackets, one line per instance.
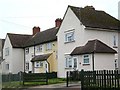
[39, 48]
[48, 46]
[86, 59]
[68, 62]
[32, 55]
[69, 37]
[38, 64]
[75, 62]
[7, 51]
[114, 41]
[26, 66]
[27, 50]
[7, 66]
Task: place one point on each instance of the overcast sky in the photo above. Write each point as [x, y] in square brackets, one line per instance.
[19, 16]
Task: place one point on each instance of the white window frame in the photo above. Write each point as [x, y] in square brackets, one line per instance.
[7, 52]
[114, 41]
[26, 50]
[75, 66]
[86, 57]
[49, 46]
[27, 66]
[38, 64]
[68, 62]
[7, 66]
[39, 48]
[69, 36]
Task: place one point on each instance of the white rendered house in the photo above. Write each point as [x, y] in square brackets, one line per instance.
[13, 53]
[79, 26]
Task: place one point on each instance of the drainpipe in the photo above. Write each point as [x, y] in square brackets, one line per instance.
[93, 61]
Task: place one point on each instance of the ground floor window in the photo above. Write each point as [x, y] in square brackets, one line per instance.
[27, 66]
[86, 59]
[71, 62]
[38, 64]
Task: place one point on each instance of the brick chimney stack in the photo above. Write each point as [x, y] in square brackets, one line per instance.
[36, 30]
[58, 22]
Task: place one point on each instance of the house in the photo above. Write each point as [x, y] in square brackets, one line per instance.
[34, 53]
[1, 60]
[94, 53]
[13, 52]
[79, 27]
[41, 50]
[1, 50]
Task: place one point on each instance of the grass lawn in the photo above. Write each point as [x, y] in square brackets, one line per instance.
[16, 84]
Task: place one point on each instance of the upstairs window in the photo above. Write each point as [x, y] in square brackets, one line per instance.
[7, 51]
[27, 50]
[48, 46]
[114, 41]
[69, 36]
[86, 59]
[39, 48]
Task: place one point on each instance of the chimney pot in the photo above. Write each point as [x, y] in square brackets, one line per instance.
[36, 30]
[58, 22]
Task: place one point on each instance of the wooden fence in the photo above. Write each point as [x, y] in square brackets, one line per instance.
[100, 80]
[96, 80]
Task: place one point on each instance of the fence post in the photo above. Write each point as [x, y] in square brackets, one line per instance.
[104, 78]
[82, 79]
[67, 79]
[46, 78]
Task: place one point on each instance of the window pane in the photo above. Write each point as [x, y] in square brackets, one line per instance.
[69, 37]
[75, 62]
[86, 59]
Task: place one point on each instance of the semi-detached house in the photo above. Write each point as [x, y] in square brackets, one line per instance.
[88, 39]
[35, 53]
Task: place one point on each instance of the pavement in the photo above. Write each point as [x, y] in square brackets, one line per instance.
[61, 86]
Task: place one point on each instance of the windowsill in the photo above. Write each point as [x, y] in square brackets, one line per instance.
[115, 47]
[48, 49]
[38, 67]
[69, 42]
[86, 64]
[68, 67]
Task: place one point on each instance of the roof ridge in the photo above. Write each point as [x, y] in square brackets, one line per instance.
[18, 34]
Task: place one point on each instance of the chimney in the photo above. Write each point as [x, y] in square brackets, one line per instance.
[58, 22]
[36, 30]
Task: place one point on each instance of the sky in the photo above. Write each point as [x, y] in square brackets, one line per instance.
[20, 16]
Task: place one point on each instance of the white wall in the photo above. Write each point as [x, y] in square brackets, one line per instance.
[8, 59]
[18, 60]
[104, 62]
[70, 22]
[15, 58]
[81, 38]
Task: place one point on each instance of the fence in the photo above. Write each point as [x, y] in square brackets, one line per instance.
[17, 80]
[38, 77]
[73, 78]
[100, 80]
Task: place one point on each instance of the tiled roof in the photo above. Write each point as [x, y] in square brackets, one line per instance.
[18, 40]
[95, 46]
[96, 19]
[40, 57]
[43, 37]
